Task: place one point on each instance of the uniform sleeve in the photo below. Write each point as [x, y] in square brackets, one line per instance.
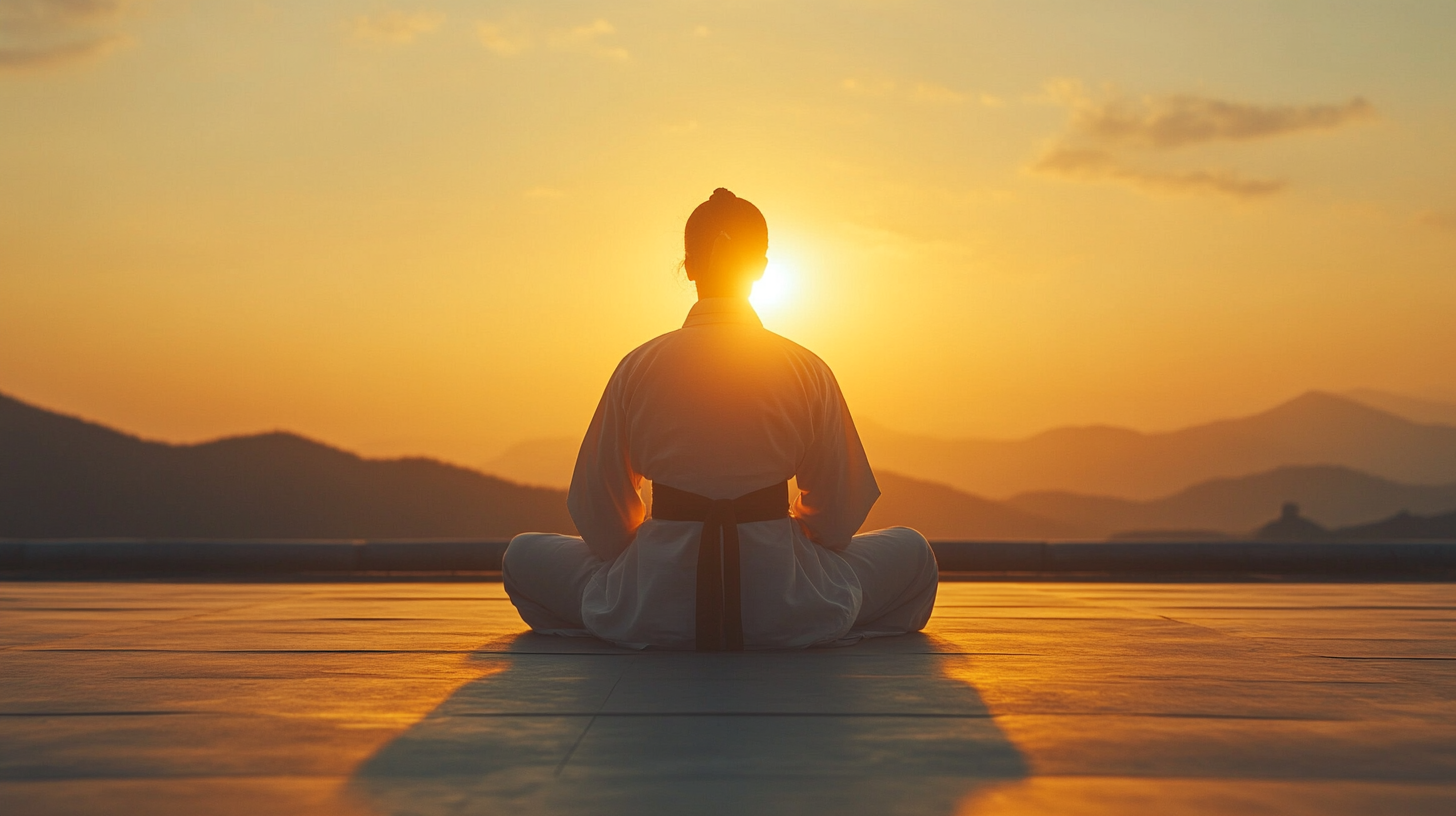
[837, 488]
[603, 499]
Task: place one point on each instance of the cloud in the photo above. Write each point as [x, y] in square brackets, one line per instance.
[924, 92]
[510, 40]
[868, 87]
[396, 27]
[1176, 121]
[502, 41]
[938, 94]
[43, 34]
[1102, 165]
[587, 39]
[541, 193]
[50, 12]
[22, 58]
[892, 244]
[1109, 138]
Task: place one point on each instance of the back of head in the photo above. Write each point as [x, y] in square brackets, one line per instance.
[724, 235]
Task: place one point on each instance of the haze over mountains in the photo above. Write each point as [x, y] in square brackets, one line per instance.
[1331, 496]
[547, 462]
[1415, 409]
[1346, 459]
[941, 511]
[1313, 429]
[61, 476]
[1399, 443]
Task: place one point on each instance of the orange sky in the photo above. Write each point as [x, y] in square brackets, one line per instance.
[435, 227]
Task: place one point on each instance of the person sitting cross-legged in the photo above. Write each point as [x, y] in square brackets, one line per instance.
[719, 416]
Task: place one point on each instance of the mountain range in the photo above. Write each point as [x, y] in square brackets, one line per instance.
[1397, 438]
[1346, 459]
[941, 511]
[1415, 409]
[1332, 496]
[65, 477]
[1314, 429]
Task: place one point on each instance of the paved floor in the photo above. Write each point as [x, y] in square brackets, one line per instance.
[1020, 699]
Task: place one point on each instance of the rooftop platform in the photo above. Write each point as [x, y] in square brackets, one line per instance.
[1065, 560]
[1020, 698]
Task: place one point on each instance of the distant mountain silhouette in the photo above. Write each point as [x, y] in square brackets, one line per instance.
[1415, 409]
[1314, 429]
[1173, 535]
[941, 511]
[1291, 526]
[547, 462]
[1332, 496]
[65, 477]
[1404, 526]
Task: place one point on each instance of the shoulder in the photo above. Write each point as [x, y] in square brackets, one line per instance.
[650, 348]
[800, 355]
[642, 356]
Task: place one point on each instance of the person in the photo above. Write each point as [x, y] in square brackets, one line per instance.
[718, 416]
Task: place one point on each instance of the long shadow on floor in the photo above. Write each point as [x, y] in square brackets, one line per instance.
[877, 728]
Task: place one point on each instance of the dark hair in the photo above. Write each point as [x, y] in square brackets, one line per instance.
[726, 213]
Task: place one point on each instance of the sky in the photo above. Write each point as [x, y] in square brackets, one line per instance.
[435, 227]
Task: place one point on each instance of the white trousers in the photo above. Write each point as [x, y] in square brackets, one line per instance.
[546, 576]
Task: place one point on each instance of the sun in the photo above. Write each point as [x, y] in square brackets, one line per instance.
[775, 289]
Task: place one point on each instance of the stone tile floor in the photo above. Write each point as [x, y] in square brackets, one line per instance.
[428, 698]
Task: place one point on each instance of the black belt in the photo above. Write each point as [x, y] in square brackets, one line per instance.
[720, 585]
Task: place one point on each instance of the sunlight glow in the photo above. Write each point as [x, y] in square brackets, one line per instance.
[775, 289]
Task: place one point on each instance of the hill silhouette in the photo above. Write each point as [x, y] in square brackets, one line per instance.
[1292, 526]
[1313, 429]
[941, 511]
[546, 462]
[1331, 496]
[1405, 526]
[65, 477]
[1415, 409]
[1386, 440]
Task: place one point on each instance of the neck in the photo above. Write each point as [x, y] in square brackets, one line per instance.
[708, 289]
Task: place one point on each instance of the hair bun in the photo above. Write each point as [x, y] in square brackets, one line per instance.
[722, 194]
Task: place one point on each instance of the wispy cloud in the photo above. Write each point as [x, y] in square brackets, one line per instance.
[924, 92]
[595, 39]
[590, 39]
[897, 245]
[868, 87]
[395, 27]
[937, 94]
[42, 34]
[504, 41]
[1110, 136]
[1095, 165]
[1164, 122]
[544, 193]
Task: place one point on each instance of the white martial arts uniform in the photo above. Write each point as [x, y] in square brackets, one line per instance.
[721, 408]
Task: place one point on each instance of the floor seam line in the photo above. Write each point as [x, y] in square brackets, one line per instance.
[589, 723]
